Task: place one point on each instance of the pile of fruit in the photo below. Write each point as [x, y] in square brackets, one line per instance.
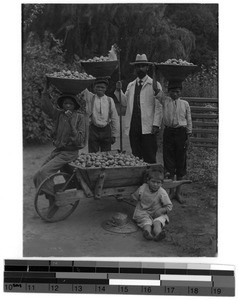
[96, 59]
[111, 56]
[71, 75]
[174, 61]
[107, 160]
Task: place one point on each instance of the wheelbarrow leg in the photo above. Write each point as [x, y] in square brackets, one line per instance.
[84, 185]
[99, 185]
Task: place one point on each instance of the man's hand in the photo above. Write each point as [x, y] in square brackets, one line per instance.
[118, 86]
[113, 140]
[155, 130]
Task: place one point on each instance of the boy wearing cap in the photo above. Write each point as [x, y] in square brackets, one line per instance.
[104, 120]
[177, 122]
[142, 111]
[70, 135]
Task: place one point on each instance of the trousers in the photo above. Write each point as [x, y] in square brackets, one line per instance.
[174, 151]
[142, 145]
[99, 138]
[54, 162]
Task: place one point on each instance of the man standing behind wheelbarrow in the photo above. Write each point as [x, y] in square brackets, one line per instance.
[70, 135]
[142, 112]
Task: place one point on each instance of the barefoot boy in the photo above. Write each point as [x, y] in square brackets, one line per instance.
[151, 212]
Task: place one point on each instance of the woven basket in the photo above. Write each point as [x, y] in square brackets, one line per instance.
[176, 72]
[70, 86]
[100, 68]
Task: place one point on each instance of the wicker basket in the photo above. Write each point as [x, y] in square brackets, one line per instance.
[70, 86]
[176, 72]
[100, 68]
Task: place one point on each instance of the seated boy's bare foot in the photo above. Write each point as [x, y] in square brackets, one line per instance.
[147, 235]
[160, 236]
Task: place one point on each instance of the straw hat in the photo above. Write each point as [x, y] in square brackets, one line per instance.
[119, 223]
[141, 59]
[73, 97]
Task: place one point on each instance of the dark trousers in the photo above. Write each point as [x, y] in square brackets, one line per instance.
[99, 138]
[174, 151]
[142, 145]
[52, 164]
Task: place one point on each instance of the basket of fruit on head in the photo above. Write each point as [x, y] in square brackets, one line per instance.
[176, 69]
[102, 66]
[70, 82]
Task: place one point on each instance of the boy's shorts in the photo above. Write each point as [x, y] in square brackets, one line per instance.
[142, 218]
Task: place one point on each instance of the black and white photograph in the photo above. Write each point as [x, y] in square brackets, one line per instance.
[118, 147]
[120, 130]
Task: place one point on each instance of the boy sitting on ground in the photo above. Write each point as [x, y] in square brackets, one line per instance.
[151, 212]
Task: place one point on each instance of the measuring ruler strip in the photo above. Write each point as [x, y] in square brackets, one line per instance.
[118, 289]
[118, 277]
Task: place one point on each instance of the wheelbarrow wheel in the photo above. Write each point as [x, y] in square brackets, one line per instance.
[45, 203]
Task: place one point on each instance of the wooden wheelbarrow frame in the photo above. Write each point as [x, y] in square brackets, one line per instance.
[89, 183]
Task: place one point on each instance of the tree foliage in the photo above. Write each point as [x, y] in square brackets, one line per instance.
[38, 59]
[54, 34]
[202, 21]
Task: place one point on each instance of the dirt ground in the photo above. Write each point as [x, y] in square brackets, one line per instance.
[192, 230]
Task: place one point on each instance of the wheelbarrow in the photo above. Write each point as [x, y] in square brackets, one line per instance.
[77, 183]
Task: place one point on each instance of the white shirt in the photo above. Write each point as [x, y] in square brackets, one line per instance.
[99, 113]
[176, 113]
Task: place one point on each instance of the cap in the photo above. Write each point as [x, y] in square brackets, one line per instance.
[104, 80]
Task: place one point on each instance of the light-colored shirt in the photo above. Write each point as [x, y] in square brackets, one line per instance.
[102, 111]
[176, 113]
[152, 201]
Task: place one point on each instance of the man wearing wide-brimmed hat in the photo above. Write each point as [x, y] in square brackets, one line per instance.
[142, 112]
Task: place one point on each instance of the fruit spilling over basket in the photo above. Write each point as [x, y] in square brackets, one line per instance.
[176, 69]
[102, 66]
[107, 160]
[70, 82]
[97, 59]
